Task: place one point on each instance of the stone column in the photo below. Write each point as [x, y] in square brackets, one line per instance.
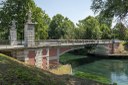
[29, 32]
[26, 58]
[47, 58]
[38, 58]
[13, 34]
[58, 54]
[113, 46]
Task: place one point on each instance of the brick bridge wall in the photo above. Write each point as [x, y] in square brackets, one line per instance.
[44, 58]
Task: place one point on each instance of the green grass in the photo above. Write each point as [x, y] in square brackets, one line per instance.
[13, 72]
[68, 57]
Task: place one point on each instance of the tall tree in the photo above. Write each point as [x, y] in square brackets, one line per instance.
[106, 31]
[105, 26]
[69, 28]
[104, 20]
[17, 10]
[90, 27]
[43, 22]
[120, 31]
[111, 8]
[61, 28]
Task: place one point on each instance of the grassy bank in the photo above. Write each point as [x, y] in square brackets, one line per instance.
[13, 72]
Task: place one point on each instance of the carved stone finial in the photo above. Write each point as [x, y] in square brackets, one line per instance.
[13, 24]
[29, 16]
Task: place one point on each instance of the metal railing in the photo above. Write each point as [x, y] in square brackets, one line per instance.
[4, 42]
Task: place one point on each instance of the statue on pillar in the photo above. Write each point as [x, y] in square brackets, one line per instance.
[13, 24]
[13, 33]
[29, 31]
[29, 16]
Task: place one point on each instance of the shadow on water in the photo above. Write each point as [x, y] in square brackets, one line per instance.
[81, 61]
[115, 69]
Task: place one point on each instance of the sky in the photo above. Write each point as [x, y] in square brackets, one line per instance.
[75, 10]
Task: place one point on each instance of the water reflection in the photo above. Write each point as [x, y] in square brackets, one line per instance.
[115, 70]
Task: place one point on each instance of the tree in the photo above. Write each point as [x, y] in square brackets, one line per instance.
[104, 20]
[43, 22]
[105, 26]
[61, 28]
[69, 28]
[111, 8]
[18, 10]
[120, 31]
[106, 31]
[90, 27]
[15, 9]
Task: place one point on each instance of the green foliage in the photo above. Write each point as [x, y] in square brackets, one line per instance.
[106, 31]
[18, 10]
[90, 28]
[111, 8]
[92, 77]
[15, 9]
[61, 28]
[43, 22]
[120, 31]
[104, 20]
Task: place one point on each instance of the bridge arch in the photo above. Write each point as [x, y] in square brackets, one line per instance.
[71, 49]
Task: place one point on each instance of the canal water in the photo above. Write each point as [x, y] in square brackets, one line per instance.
[113, 69]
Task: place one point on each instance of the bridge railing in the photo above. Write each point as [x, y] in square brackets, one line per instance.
[58, 42]
[4, 42]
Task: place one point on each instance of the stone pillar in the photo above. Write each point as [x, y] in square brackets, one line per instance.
[29, 32]
[58, 54]
[26, 58]
[113, 47]
[38, 58]
[47, 58]
[13, 34]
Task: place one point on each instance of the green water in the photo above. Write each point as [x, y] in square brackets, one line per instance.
[113, 70]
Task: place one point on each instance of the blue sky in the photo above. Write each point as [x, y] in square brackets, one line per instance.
[73, 9]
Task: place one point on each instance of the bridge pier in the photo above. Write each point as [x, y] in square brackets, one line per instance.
[113, 47]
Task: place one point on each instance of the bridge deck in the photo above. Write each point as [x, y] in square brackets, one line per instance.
[50, 43]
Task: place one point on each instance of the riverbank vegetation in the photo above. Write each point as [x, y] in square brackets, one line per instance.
[62, 69]
[92, 77]
[14, 72]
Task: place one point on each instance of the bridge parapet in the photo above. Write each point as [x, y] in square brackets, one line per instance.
[60, 42]
[4, 44]
[64, 42]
